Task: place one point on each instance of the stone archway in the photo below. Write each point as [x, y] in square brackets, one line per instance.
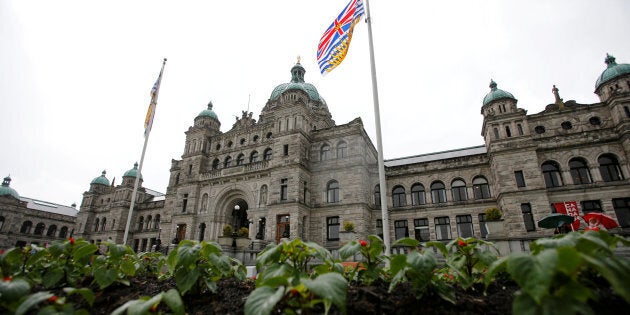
[237, 214]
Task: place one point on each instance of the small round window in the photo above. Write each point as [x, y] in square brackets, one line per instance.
[269, 135]
[539, 129]
[242, 141]
[218, 147]
[566, 125]
[230, 143]
[595, 121]
[255, 138]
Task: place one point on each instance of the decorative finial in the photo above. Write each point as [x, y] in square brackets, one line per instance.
[556, 94]
[7, 181]
[135, 165]
[493, 85]
[298, 59]
[610, 60]
[103, 173]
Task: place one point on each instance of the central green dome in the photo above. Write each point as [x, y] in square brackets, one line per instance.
[208, 112]
[496, 94]
[101, 180]
[612, 71]
[133, 172]
[5, 190]
[297, 83]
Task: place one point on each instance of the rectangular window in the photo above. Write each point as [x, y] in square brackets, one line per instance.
[496, 133]
[627, 110]
[143, 247]
[507, 131]
[284, 189]
[136, 244]
[482, 225]
[401, 229]
[285, 149]
[379, 228]
[442, 228]
[591, 206]
[519, 127]
[184, 204]
[421, 228]
[528, 217]
[332, 228]
[520, 179]
[464, 225]
[622, 210]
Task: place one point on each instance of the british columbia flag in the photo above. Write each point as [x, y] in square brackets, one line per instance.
[334, 44]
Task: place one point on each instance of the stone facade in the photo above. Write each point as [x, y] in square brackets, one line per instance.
[295, 173]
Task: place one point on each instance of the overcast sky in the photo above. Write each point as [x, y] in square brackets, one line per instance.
[75, 76]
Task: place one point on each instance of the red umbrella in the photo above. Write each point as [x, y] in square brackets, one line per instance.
[604, 220]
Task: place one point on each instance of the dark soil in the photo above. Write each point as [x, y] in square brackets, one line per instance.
[365, 300]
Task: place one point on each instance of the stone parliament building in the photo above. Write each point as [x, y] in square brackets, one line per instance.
[295, 173]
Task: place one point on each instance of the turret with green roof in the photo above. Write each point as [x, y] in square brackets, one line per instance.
[5, 190]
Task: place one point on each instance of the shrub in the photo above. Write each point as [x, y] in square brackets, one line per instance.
[243, 232]
[493, 214]
[348, 226]
[228, 230]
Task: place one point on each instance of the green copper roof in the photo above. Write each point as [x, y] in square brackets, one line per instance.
[496, 94]
[5, 190]
[297, 83]
[101, 180]
[133, 172]
[208, 112]
[612, 71]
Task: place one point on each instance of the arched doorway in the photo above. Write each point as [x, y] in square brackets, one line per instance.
[238, 214]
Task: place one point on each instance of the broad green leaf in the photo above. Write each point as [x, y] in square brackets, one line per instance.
[533, 273]
[349, 249]
[117, 250]
[104, 277]
[144, 307]
[407, 241]
[52, 276]
[376, 245]
[616, 270]
[271, 254]
[569, 261]
[31, 301]
[221, 263]
[14, 289]
[186, 278]
[187, 253]
[128, 267]
[174, 301]
[123, 308]
[398, 263]
[171, 261]
[439, 245]
[422, 262]
[263, 300]
[523, 304]
[321, 252]
[210, 248]
[82, 250]
[331, 287]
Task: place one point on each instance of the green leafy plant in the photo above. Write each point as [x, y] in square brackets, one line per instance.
[228, 230]
[370, 267]
[243, 232]
[117, 264]
[493, 214]
[145, 304]
[199, 265]
[348, 226]
[287, 280]
[420, 268]
[467, 259]
[553, 277]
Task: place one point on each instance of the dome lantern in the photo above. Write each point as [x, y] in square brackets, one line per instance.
[5, 190]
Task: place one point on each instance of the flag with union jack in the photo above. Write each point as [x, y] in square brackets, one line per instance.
[148, 120]
[334, 44]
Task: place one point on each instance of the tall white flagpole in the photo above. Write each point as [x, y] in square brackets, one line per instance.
[144, 149]
[379, 141]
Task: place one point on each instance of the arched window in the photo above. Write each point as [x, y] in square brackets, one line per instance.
[253, 157]
[398, 197]
[481, 189]
[267, 154]
[324, 153]
[96, 225]
[551, 173]
[148, 224]
[458, 189]
[228, 161]
[63, 232]
[177, 179]
[1, 222]
[342, 150]
[417, 195]
[377, 195]
[438, 192]
[156, 222]
[579, 171]
[51, 231]
[103, 224]
[215, 164]
[26, 227]
[204, 203]
[240, 160]
[332, 191]
[39, 229]
[202, 231]
[262, 200]
[609, 168]
[140, 223]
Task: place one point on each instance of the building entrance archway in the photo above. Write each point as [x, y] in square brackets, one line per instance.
[238, 214]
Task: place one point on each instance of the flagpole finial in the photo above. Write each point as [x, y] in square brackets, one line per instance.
[164, 60]
[298, 59]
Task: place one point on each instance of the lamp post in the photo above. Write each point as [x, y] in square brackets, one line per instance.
[234, 233]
